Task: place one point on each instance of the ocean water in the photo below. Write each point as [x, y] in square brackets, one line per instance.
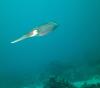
[72, 50]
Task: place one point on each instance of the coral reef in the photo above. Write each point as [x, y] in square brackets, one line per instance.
[60, 82]
[85, 85]
[55, 82]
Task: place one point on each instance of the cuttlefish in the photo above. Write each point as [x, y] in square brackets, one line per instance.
[38, 31]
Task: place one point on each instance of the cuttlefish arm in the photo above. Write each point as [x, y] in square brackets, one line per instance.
[30, 34]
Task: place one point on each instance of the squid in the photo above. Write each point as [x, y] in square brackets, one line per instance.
[38, 31]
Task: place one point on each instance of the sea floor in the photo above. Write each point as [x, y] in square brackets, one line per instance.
[53, 83]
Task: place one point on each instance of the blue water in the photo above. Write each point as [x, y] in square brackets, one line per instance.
[76, 41]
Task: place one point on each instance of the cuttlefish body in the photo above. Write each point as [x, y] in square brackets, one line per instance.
[38, 31]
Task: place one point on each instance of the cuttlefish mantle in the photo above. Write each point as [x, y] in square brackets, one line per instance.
[38, 31]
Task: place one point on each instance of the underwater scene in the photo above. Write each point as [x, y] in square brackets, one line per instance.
[49, 43]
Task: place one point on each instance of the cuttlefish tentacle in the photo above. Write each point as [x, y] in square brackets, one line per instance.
[30, 34]
[19, 39]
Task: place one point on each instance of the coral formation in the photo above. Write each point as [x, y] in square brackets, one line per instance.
[85, 85]
[55, 82]
[60, 82]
